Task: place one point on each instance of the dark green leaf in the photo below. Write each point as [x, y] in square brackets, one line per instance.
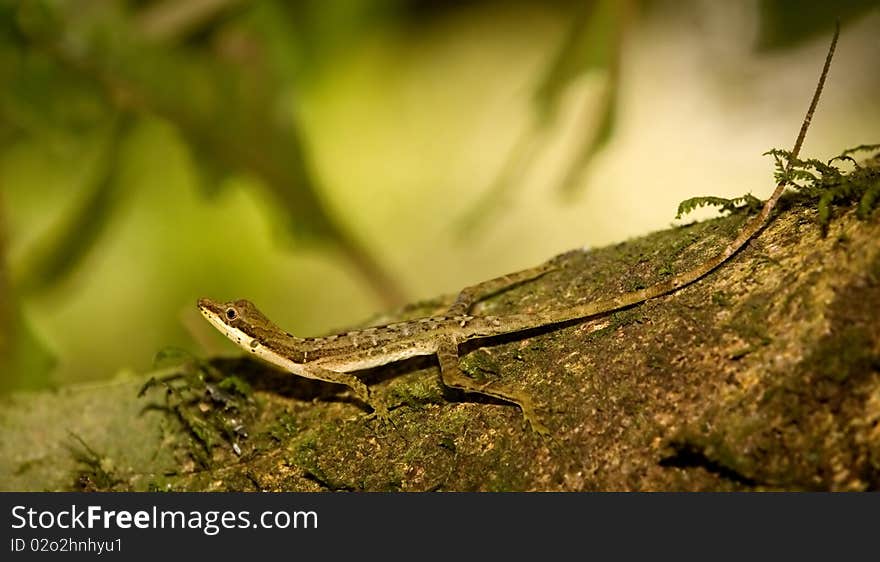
[171, 357]
[60, 251]
[591, 43]
[786, 23]
[25, 360]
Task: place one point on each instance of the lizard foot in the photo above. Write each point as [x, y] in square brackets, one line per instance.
[380, 412]
[534, 418]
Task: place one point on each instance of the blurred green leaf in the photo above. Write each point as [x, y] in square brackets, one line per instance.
[63, 247]
[786, 23]
[608, 24]
[47, 101]
[590, 44]
[226, 100]
[171, 357]
[211, 172]
[227, 108]
[590, 145]
[25, 361]
[320, 29]
[499, 193]
[38, 18]
[173, 20]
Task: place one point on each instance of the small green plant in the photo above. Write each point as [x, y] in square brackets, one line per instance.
[826, 182]
[830, 184]
[213, 407]
[748, 202]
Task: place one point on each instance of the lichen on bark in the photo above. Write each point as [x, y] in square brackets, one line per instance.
[765, 374]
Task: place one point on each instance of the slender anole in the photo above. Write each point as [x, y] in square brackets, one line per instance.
[332, 358]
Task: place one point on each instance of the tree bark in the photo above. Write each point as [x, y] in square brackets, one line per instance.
[763, 375]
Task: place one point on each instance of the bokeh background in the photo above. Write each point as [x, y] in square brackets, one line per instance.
[331, 160]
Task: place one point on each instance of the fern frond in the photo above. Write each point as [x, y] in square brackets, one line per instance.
[747, 201]
[821, 181]
[860, 148]
[869, 199]
[828, 184]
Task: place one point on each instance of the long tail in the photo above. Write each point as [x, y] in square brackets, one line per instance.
[755, 224]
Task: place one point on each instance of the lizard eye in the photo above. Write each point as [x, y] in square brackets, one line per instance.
[231, 313]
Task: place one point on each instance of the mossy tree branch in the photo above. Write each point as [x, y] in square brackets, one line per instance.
[763, 375]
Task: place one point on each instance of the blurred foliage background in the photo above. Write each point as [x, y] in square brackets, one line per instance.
[331, 160]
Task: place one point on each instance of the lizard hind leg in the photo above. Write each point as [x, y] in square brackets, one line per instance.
[469, 296]
[451, 376]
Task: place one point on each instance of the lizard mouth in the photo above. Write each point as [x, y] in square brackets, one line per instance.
[217, 320]
[207, 314]
[210, 309]
[212, 313]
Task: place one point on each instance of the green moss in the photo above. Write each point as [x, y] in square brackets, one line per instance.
[712, 452]
[750, 322]
[828, 184]
[284, 427]
[720, 298]
[236, 385]
[849, 352]
[481, 365]
[415, 391]
[608, 394]
[825, 183]
[98, 472]
[212, 407]
[306, 456]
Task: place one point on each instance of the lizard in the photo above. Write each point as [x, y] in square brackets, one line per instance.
[333, 358]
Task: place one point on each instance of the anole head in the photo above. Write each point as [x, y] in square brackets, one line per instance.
[241, 322]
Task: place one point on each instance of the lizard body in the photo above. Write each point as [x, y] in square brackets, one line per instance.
[332, 358]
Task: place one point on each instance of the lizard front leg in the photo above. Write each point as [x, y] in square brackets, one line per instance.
[360, 390]
[451, 376]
